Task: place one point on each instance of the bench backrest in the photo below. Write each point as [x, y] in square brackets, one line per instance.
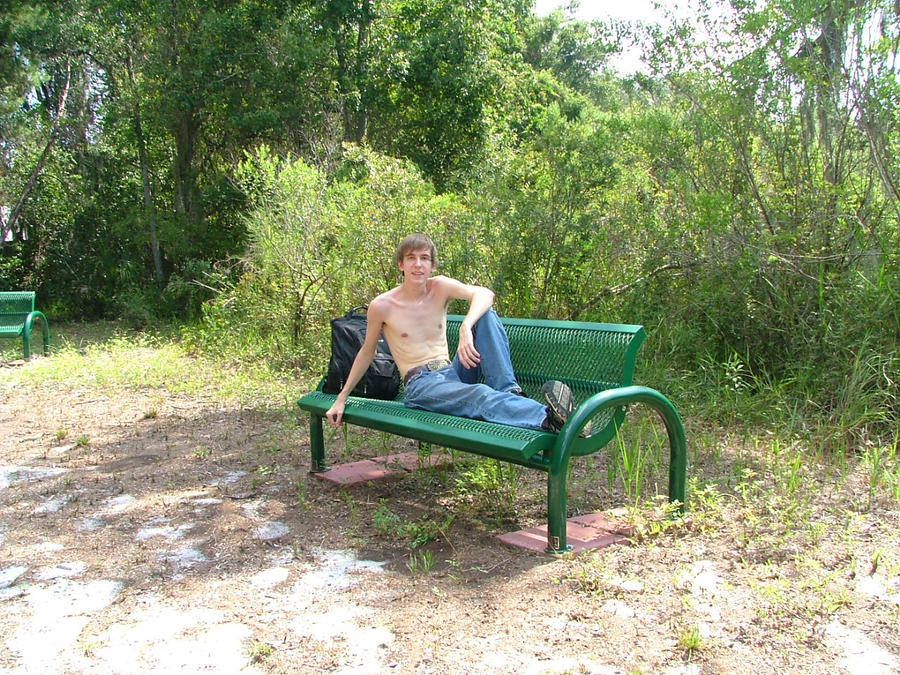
[16, 303]
[589, 357]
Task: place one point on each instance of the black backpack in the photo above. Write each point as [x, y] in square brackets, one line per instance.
[348, 333]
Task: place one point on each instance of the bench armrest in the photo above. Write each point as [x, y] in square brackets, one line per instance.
[26, 333]
[625, 396]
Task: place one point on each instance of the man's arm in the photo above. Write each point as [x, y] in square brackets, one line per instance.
[361, 364]
[480, 300]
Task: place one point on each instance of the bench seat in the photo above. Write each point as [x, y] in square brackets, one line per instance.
[512, 444]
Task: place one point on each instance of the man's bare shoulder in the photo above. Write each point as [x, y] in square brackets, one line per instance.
[452, 289]
[381, 304]
[443, 280]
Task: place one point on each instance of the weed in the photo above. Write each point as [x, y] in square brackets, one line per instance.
[883, 467]
[258, 651]
[151, 414]
[352, 507]
[88, 647]
[416, 534]
[638, 457]
[267, 469]
[656, 518]
[590, 578]
[201, 452]
[419, 534]
[690, 641]
[420, 562]
[83, 441]
[60, 433]
[705, 505]
[492, 483]
[386, 522]
[302, 494]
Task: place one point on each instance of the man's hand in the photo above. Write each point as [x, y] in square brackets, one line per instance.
[465, 350]
[335, 413]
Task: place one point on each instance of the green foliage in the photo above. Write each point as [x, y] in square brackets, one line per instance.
[319, 245]
[491, 484]
[436, 84]
[545, 205]
[415, 533]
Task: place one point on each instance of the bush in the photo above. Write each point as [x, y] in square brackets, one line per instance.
[319, 245]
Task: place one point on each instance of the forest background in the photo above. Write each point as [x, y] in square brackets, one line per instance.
[245, 167]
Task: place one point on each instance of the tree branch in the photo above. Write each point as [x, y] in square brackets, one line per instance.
[608, 291]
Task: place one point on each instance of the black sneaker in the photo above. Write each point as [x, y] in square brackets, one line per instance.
[560, 403]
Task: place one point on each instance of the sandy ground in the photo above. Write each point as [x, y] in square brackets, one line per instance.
[142, 532]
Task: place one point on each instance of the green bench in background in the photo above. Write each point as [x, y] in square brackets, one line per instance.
[596, 360]
[17, 314]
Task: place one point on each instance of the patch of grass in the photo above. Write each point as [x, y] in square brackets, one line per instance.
[416, 534]
[882, 464]
[258, 651]
[639, 456]
[491, 486]
[385, 521]
[420, 562]
[107, 358]
[690, 641]
[302, 493]
[420, 533]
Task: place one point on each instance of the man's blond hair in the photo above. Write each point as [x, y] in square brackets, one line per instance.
[416, 242]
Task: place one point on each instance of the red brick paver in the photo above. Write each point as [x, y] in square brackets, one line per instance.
[379, 468]
[583, 532]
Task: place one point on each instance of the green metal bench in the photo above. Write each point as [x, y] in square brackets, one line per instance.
[17, 315]
[596, 360]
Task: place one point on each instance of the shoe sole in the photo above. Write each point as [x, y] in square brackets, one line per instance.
[559, 399]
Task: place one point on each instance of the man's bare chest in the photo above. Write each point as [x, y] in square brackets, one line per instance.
[419, 324]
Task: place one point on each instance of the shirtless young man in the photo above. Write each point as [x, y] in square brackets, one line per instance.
[479, 383]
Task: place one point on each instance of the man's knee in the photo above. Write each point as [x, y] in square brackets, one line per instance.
[490, 317]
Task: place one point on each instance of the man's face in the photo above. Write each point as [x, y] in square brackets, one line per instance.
[417, 264]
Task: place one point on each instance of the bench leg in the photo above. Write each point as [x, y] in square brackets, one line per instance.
[46, 336]
[317, 444]
[556, 512]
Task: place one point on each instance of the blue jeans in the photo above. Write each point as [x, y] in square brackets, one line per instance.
[457, 390]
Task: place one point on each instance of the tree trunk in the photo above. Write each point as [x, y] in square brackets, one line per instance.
[7, 227]
[149, 200]
[184, 132]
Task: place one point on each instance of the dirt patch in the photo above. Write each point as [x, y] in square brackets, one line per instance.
[143, 532]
